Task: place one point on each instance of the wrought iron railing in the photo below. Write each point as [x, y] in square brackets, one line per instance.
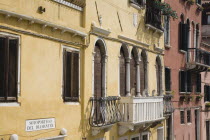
[104, 111]
[195, 55]
[153, 17]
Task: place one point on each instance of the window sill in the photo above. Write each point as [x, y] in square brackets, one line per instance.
[71, 103]
[15, 104]
[138, 7]
[167, 46]
[182, 124]
[189, 123]
[182, 51]
[182, 93]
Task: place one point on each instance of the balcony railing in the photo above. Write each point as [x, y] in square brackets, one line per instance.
[104, 111]
[153, 17]
[198, 57]
[138, 110]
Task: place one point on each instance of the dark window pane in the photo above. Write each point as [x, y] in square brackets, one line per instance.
[122, 73]
[168, 79]
[182, 117]
[188, 116]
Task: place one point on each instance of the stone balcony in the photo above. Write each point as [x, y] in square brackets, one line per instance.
[139, 111]
[198, 60]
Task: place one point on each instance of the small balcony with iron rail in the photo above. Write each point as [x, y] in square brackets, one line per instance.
[153, 19]
[140, 111]
[104, 113]
[198, 60]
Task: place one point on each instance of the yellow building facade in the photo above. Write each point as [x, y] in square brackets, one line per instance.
[47, 32]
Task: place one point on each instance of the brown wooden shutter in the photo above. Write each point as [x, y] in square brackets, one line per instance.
[2, 66]
[13, 69]
[142, 74]
[122, 74]
[67, 75]
[205, 93]
[6, 68]
[97, 73]
[185, 29]
[75, 76]
[133, 73]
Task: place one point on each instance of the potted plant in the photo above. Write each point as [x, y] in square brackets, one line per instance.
[198, 98]
[207, 105]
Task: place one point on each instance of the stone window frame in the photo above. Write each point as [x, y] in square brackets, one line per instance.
[16, 103]
[69, 48]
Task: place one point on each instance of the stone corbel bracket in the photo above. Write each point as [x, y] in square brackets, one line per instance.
[156, 30]
[100, 30]
[125, 128]
[97, 130]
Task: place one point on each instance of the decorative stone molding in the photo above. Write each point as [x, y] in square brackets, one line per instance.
[100, 30]
[132, 40]
[125, 128]
[33, 20]
[156, 48]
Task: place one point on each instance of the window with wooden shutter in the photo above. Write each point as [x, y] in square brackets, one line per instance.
[198, 82]
[122, 73]
[168, 79]
[207, 93]
[9, 69]
[71, 75]
[182, 117]
[133, 74]
[158, 76]
[188, 116]
[166, 30]
[185, 82]
[189, 81]
[183, 35]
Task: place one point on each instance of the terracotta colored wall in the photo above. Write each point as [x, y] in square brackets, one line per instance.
[175, 60]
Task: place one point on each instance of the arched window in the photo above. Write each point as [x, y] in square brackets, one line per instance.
[159, 75]
[133, 71]
[123, 57]
[197, 36]
[99, 69]
[143, 72]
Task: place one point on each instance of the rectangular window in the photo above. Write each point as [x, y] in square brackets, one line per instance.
[160, 135]
[71, 75]
[207, 93]
[198, 83]
[188, 116]
[9, 58]
[145, 136]
[166, 30]
[198, 2]
[183, 34]
[135, 138]
[182, 117]
[207, 130]
[168, 79]
[185, 84]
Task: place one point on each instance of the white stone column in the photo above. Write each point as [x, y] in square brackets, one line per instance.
[138, 79]
[127, 65]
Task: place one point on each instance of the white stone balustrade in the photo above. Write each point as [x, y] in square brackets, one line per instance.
[140, 110]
